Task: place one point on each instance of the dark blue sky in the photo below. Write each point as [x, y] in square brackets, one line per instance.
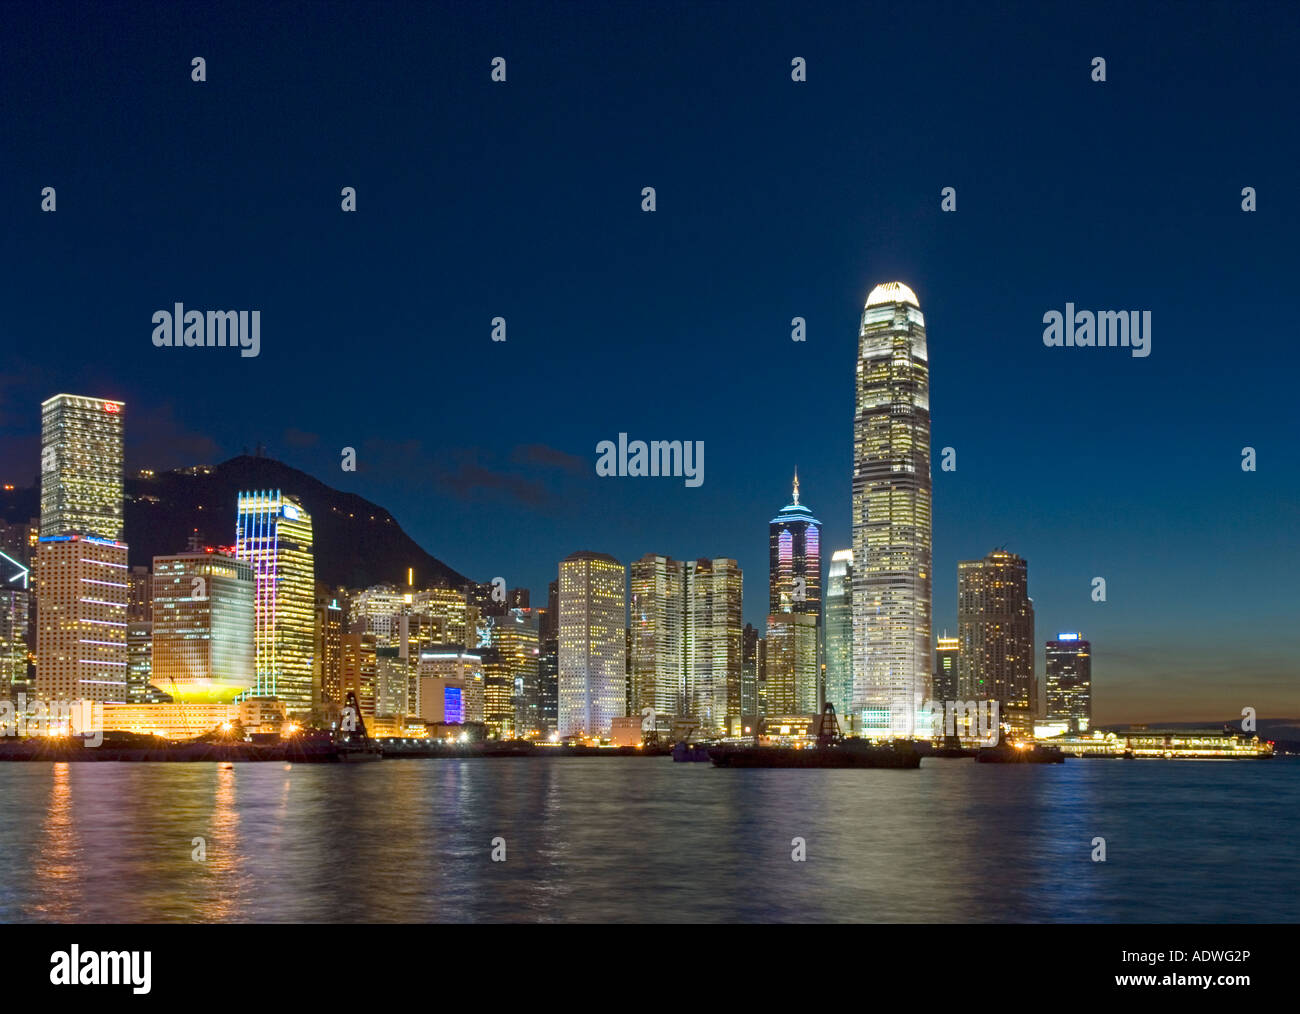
[775, 200]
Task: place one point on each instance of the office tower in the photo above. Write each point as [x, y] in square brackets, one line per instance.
[548, 661]
[947, 657]
[359, 665]
[795, 604]
[392, 681]
[203, 627]
[995, 629]
[378, 610]
[792, 684]
[1069, 681]
[15, 604]
[81, 467]
[658, 649]
[445, 611]
[592, 643]
[498, 690]
[328, 650]
[274, 535]
[516, 637]
[794, 559]
[686, 650]
[713, 642]
[81, 600]
[139, 661]
[891, 514]
[451, 685]
[750, 671]
[837, 632]
[139, 605]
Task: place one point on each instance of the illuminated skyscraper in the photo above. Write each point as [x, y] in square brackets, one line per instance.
[515, 638]
[795, 560]
[947, 657]
[792, 683]
[1069, 681]
[15, 603]
[891, 514]
[202, 627]
[274, 535]
[592, 648]
[81, 601]
[658, 663]
[995, 628]
[548, 661]
[838, 633]
[81, 466]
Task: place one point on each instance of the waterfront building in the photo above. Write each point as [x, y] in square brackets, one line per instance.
[81, 602]
[995, 621]
[15, 605]
[203, 627]
[274, 536]
[838, 633]
[1069, 681]
[891, 515]
[947, 657]
[592, 643]
[81, 466]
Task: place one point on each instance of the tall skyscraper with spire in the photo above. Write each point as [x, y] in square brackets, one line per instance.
[794, 610]
[891, 515]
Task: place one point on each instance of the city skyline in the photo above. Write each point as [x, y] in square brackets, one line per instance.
[1084, 462]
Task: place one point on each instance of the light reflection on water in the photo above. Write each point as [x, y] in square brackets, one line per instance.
[632, 839]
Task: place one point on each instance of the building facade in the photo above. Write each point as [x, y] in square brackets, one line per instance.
[837, 633]
[274, 536]
[1069, 681]
[592, 644]
[995, 621]
[81, 466]
[891, 514]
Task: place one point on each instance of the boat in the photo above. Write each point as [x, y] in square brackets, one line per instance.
[688, 752]
[832, 750]
[1020, 753]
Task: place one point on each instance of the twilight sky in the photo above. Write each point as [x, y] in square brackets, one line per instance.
[775, 199]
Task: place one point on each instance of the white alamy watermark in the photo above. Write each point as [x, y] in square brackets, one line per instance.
[53, 718]
[678, 458]
[182, 328]
[976, 720]
[75, 967]
[1129, 329]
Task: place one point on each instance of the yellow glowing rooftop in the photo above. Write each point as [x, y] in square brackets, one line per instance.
[892, 292]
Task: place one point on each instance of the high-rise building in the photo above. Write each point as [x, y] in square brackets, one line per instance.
[658, 656]
[548, 661]
[81, 466]
[1069, 681]
[592, 643]
[203, 627]
[795, 604]
[451, 685]
[837, 632]
[891, 515]
[359, 664]
[995, 628]
[81, 600]
[15, 603]
[714, 634]
[795, 559]
[139, 662]
[947, 656]
[329, 646]
[686, 657]
[139, 604]
[274, 535]
[751, 670]
[514, 707]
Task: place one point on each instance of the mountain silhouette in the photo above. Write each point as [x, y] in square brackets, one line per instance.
[357, 543]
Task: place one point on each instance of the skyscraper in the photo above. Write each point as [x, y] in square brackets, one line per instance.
[202, 627]
[947, 657]
[15, 602]
[1069, 681]
[794, 559]
[592, 643]
[273, 534]
[658, 664]
[81, 466]
[995, 628]
[794, 610]
[838, 633]
[548, 661]
[891, 514]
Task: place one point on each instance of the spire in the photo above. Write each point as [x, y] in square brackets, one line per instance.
[796, 483]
